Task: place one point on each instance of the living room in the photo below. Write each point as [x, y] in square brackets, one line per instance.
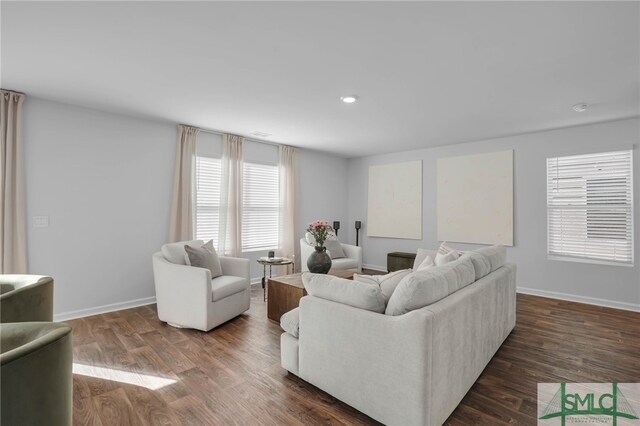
[108, 91]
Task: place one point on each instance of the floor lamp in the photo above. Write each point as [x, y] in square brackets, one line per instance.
[358, 226]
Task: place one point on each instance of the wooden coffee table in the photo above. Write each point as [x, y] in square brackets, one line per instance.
[286, 291]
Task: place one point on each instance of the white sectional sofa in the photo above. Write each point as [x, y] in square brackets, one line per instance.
[407, 369]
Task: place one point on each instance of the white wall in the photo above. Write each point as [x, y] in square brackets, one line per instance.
[612, 285]
[323, 191]
[106, 182]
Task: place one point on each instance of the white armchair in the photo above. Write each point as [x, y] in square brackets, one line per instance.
[187, 296]
[353, 261]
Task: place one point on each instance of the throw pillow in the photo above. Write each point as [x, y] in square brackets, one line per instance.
[423, 288]
[421, 254]
[353, 293]
[446, 254]
[309, 238]
[334, 248]
[204, 257]
[387, 283]
[290, 322]
[426, 264]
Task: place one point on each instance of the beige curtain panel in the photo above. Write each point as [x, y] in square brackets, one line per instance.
[182, 210]
[230, 225]
[288, 171]
[13, 230]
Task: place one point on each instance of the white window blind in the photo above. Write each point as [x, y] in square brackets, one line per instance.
[590, 207]
[260, 207]
[207, 199]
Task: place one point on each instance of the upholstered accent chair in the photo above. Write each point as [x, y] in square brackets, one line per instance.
[36, 360]
[26, 298]
[351, 262]
[188, 297]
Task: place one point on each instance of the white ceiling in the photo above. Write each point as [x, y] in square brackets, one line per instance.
[427, 73]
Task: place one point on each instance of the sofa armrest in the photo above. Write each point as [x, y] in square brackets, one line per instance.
[180, 288]
[468, 328]
[236, 266]
[305, 252]
[349, 352]
[30, 300]
[353, 252]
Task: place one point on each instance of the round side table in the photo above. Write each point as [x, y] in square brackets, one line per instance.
[282, 261]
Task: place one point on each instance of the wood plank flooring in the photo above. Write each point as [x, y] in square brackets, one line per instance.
[137, 370]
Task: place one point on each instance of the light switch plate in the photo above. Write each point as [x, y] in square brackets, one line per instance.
[41, 221]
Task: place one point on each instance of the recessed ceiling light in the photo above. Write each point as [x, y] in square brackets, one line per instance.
[581, 107]
[349, 99]
[261, 134]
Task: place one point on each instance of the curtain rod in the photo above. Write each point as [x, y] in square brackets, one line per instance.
[219, 133]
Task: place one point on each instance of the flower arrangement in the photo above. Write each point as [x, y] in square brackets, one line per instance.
[320, 229]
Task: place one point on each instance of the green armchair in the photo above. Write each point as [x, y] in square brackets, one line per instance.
[26, 298]
[36, 361]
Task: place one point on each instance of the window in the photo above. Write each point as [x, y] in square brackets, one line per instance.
[260, 203]
[260, 207]
[207, 198]
[590, 207]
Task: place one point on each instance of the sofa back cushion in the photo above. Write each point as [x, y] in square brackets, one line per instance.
[423, 288]
[174, 252]
[387, 283]
[496, 255]
[353, 293]
[481, 264]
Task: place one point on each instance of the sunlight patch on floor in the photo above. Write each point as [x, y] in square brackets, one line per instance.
[132, 378]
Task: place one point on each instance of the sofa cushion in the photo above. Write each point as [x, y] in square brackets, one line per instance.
[426, 264]
[334, 248]
[174, 252]
[387, 283]
[421, 254]
[423, 288]
[290, 322]
[496, 255]
[344, 263]
[353, 293]
[204, 256]
[480, 264]
[445, 254]
[227, 285]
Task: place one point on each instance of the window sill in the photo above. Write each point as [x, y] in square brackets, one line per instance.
[259, 249]
[587, 260]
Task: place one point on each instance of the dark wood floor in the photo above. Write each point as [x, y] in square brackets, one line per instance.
[151, 374]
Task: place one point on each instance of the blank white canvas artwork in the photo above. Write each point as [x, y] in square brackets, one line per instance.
[395, 200]
[475, 198]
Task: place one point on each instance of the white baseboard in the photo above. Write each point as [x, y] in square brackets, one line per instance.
[81, 313]
[581, 299]
[375, 267]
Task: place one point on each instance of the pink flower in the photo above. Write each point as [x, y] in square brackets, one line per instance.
[320, 229]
